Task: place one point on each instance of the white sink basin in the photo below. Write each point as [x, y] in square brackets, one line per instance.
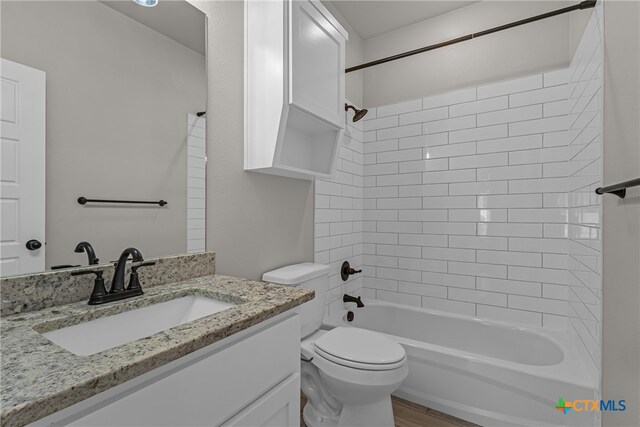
[108, 332]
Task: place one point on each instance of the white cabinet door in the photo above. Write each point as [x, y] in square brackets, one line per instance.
[316, 63]
[22, 171]
[279, 407]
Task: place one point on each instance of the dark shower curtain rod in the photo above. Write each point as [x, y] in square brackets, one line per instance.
[583, 5]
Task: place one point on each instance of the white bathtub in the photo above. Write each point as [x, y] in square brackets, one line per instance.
[486, 372]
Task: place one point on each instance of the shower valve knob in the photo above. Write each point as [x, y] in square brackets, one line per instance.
[346, 271]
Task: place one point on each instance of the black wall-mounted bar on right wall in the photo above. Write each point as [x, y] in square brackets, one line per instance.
[620, 189]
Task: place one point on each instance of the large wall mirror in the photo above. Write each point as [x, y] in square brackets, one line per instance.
[100, 99]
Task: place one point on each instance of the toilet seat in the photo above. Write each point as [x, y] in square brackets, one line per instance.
[360, 349]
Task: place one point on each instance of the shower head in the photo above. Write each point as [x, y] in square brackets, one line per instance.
[359, 114]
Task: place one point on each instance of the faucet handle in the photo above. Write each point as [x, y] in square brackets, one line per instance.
[134, 280]
[99, 291]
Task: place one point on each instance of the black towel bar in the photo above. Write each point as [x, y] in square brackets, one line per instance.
[84, 200]
[620, 189]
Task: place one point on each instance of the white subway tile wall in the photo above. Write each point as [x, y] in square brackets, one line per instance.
[584, 291]
[196, 180]
[465, 205]
[339, 209]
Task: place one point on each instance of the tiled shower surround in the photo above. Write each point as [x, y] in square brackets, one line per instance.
[478, 201]
[465, 201]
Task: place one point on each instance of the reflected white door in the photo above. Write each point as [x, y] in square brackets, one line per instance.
[22, 169]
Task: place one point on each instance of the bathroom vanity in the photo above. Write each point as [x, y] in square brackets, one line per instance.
[237, 366]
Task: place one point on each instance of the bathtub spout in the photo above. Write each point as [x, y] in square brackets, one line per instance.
[349, 298]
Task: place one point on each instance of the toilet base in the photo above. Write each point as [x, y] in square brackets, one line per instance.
[313, 419]
[374, 414]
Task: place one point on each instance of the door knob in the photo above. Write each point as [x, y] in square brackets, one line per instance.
[33, 244]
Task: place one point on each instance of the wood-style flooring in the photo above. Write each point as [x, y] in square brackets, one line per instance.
[409, 414]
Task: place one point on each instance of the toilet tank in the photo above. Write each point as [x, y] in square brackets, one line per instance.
[306, 275]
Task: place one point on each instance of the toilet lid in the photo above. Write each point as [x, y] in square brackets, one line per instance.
[360, 346]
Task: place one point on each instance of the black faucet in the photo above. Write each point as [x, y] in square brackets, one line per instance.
[117, 285]
[91, 254]
[349, 298]
[100, 295]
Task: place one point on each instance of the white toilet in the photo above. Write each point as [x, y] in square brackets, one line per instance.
[348, 374]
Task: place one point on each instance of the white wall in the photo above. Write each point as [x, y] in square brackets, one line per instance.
[255, 222]
[338, 217]
[621, 218]
[577, 23]
[536, 47]
[101, 141]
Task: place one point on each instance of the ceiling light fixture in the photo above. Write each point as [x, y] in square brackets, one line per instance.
[146, 3]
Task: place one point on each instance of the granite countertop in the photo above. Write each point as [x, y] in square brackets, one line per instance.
[40, 378]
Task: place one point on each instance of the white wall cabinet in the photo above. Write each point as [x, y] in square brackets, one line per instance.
[294, 88]
[251, 378]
